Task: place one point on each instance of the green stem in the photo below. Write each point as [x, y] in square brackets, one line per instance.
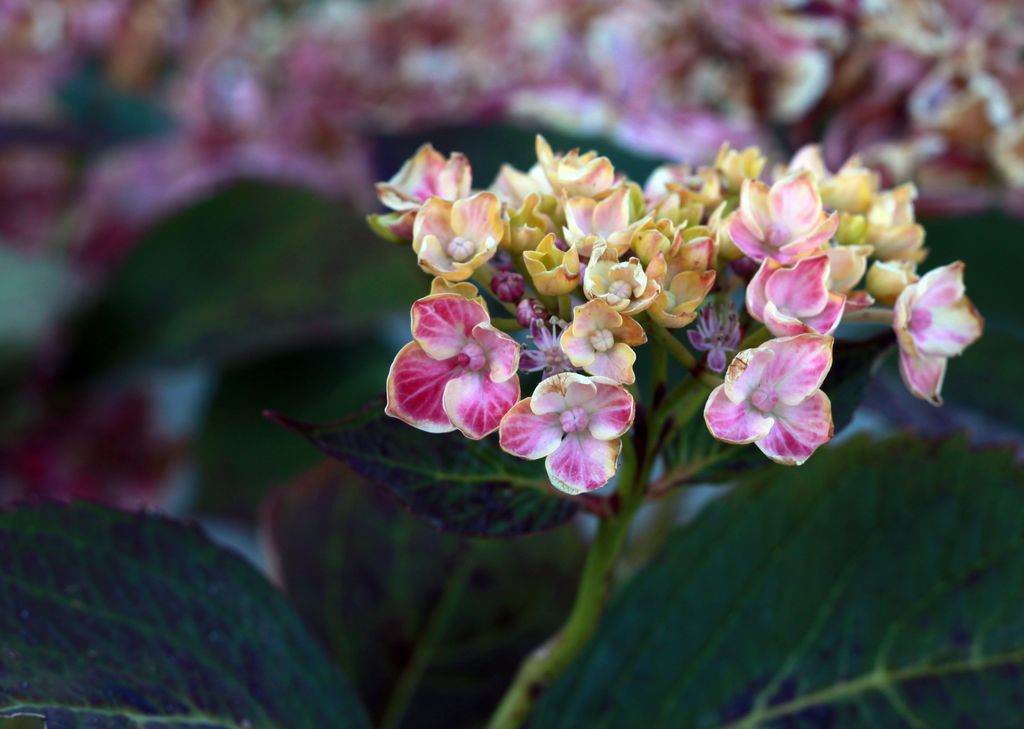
[679, 351]
[755, 338]
[505, 324]
[565, 307]
[659, 371]
[551, 658]
[437, 623]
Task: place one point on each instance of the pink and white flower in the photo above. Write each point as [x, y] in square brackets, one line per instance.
[426, 174]
[934, 321]
[786, 222]
[796, 299]
[459, 372]
[771, 397]
[574, 422]
[601, 341]
[453, 239]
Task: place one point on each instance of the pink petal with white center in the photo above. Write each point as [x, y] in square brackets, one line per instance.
[734, 422]
[577, 346]
[502, 351]
[941, 286]
[612, 214]
[476, 404]
[478, 218]
[949, 331]
[802, 290]
[443, 323]
[552, 394]
[747, 238]
[794, 202]
[799, 430]
[527, 435]
[754, 206]
[615, 364]
[923, 375]
[746, 371]
[857, 300]
[826, 321]
[756, 297]
[434, 218]
[781, 324]
[583, 463]
[415, 389]
[799, 366]
[611, 410]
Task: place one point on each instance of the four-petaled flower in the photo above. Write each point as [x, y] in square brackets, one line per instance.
[718, 334]
[623, 285]
[786, 222]
[548, 354]
[453, 239]
[601, 341]
[426, 174]
[795, 300]
[576, 423]
[573, 173]
[458, 372]
[772, 398]
[934, 321]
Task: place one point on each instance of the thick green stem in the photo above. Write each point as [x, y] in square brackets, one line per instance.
[565, 308]
[551, 658]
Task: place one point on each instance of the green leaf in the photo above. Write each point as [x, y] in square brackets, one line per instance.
[430, 626]
[240, 455]
[120, 620]
[256, 268]
[468, 487]
[878, 585]
[693, 456]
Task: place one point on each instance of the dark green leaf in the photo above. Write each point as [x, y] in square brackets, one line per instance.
[467, 487]
[120, 620]
[429, 626]
[241, 455]
[876, 586]
[256, 268]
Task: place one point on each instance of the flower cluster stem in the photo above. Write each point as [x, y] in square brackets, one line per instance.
[679, 351]
[550, 659]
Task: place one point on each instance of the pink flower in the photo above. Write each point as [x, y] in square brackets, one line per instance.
[772, 398]
[458, 372]
[795, 300]
[934, 321]
[786, 222]
[548, 355]
[576, 423]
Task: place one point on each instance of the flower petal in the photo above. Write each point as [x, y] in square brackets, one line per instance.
[747, 239]
[476, 404]
[799, 430]
[478, 218]
[802, 290]
[415, 389]
[794, 201]
[746, 371]
[799, 365]
[611, 411]
[583, 463]
[552, 394]
[615, 364]
[734, 422]
[923, 375]
[525, 434]
[443, 323]
[501, 349]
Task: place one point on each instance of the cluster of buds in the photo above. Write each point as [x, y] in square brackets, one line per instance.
[591, 265]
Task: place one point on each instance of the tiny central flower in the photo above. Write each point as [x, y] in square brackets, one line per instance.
[574, 420]
[776, 235]
[602, 340]
[460, 249]
[620, 289]
[472, 357]
[764, 398]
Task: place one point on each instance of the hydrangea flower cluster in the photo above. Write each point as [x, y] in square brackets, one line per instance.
[589, 266]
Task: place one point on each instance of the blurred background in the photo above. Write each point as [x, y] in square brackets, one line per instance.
[183, 185]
